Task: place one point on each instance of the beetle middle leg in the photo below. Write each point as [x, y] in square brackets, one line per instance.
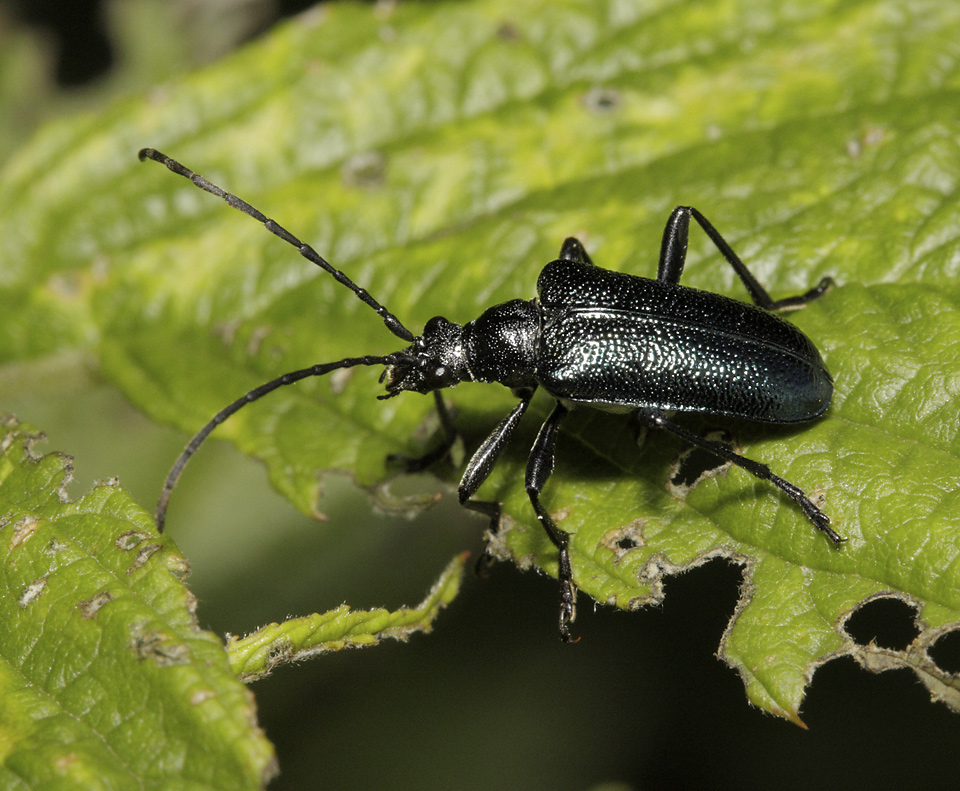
[673, 254]
[539, 468]
[821, 521]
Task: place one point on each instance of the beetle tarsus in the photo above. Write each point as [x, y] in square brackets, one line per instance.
[568, 596]
[820, 520]
[793, 303]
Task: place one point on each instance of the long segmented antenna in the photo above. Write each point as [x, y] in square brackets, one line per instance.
[258, 392]
[392, 322]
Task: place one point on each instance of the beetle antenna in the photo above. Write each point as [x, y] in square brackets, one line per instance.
[257, 393]
[392, 322]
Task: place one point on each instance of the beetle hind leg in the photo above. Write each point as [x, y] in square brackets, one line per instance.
[673, 254]
[819, 519]
[573, 250]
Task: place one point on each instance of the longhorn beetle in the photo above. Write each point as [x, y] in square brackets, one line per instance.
[594, 338]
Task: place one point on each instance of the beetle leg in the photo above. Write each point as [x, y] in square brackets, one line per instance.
[573, 250]
[428, 459]
[673, 247]
[820, 520]
[481, 463]
[539, 467]
[791, 303]
[673, 254]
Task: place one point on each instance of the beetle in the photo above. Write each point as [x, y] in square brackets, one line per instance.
[595, 338]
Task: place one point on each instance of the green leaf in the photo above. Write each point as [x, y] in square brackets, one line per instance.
[256, 655]
[439, 157]
[106, 681]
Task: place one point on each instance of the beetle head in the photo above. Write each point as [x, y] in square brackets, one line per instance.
[436, 359]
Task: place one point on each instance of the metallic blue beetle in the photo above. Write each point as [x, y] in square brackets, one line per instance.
[594, 338]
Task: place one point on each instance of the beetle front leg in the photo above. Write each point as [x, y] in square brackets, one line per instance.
[539, 468]
[820, 520]
[481, 463]
[431, 457]
[673, 254]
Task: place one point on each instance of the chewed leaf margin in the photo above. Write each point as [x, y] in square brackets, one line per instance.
[95, 609]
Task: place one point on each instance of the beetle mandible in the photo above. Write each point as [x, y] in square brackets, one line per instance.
[594, 338]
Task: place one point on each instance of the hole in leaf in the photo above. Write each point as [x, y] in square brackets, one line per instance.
[888, 622]
[366, 170]
[602, 100]
[945, 652]
[508, 32]
[696, 464]
[623, 539]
